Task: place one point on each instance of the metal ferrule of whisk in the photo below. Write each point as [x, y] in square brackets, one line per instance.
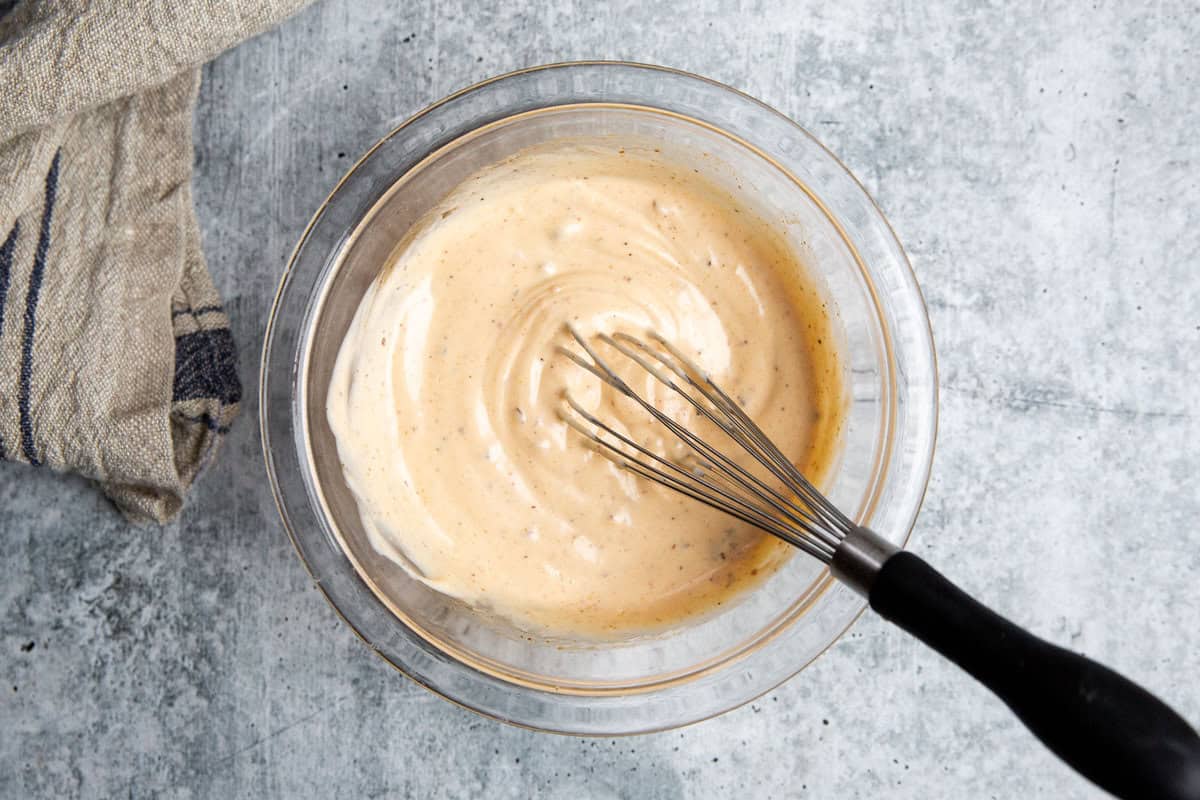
[774, 497]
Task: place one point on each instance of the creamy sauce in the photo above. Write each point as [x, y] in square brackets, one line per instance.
[446, 394]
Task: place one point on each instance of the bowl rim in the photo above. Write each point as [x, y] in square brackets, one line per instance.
[925, 462]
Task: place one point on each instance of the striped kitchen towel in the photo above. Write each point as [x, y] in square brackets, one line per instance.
[116, 360]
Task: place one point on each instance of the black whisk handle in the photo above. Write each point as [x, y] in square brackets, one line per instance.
[1105, 726]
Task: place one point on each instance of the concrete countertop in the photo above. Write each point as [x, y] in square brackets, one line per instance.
[1041, 168]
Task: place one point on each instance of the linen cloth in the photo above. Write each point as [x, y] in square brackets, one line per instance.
[116, 360]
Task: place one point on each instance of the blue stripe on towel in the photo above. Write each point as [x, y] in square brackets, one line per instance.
[31, 301]
[195, 312]
[206, 367]
[6, 258]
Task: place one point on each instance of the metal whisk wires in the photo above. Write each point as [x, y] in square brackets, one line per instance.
[793, 509]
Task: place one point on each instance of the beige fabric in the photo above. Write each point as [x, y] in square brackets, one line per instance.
[115, 356]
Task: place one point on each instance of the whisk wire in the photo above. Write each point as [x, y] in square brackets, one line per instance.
[808, 521]
[683, 480]
[782, 504]
[752, 437]
[795, 514]
[782, 468]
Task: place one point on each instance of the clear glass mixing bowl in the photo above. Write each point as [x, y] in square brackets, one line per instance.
[643, 683]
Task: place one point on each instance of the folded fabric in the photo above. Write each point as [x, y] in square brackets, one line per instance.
[116, 360]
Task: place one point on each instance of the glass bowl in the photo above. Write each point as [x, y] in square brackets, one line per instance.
[640, 683]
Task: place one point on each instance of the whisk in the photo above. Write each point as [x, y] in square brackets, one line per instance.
[1106, 727]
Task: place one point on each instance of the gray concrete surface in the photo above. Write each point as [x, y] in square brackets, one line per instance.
[1040, 165]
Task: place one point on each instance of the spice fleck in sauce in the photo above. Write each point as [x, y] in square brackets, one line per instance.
[446, 393]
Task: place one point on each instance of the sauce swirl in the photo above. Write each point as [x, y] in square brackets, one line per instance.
[446, 393]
